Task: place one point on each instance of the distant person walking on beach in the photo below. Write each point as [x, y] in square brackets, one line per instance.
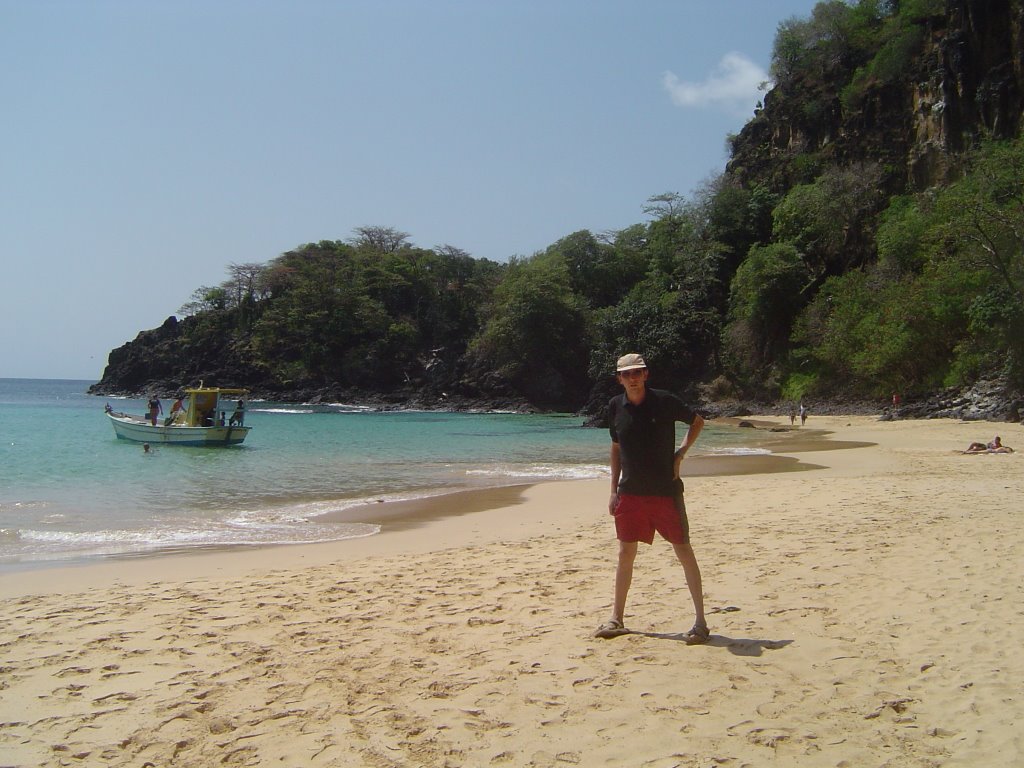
[803, 414]
[895, 405]
[647, 492]
[792, 414]
[155, 409]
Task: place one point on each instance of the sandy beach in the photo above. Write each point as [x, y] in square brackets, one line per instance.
[867, 611]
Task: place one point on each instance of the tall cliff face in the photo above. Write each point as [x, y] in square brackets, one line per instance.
[965, 82]
[969, 85]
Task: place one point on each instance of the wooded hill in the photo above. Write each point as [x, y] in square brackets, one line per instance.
[867, 236]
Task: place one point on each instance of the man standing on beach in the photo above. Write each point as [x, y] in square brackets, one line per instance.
[647, 492]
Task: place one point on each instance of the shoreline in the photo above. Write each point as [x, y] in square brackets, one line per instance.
[396, 517]
[861, 614]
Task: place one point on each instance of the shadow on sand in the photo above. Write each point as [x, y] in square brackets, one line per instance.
[740, 646]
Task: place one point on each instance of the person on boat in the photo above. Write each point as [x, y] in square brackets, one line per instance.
[647, 492]
[238, 417]
[155, 409]
[176, 408]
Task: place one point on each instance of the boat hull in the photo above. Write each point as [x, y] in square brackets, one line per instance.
[128, 428]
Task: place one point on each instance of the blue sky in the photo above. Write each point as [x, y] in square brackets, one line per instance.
[148, 145]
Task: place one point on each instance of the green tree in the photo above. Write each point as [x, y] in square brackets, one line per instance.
[380, 239]
[902, 235]
[206, 299]
[979, 230]
[736, 218]
[322, 325]
[875, 334]
[945, 302]
[599, 272]
[831, 221]
[764, 299]
[537, 336]
[837, 37]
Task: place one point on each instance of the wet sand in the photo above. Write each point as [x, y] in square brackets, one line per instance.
[398, 515]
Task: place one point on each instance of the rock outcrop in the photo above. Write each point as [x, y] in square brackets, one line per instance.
[966, 83]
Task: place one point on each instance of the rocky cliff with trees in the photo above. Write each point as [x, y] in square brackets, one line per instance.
[866, 236]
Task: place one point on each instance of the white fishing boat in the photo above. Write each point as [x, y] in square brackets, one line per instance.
[209, 416]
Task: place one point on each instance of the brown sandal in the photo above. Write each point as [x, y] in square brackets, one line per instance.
[698, 635]
[611, 628]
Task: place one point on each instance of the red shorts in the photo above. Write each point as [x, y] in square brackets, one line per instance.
[638, 517]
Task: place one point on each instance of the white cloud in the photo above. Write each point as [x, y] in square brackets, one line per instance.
[736, 84]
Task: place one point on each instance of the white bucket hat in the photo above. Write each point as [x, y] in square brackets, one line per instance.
[630, 362]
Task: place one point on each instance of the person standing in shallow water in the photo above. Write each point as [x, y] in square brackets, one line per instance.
[647, 492]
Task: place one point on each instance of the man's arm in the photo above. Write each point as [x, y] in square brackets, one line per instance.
[616, 470]
[692, 433]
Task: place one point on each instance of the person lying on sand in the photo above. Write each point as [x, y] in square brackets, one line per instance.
[996, 446]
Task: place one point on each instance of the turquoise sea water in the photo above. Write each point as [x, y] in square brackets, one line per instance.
[70, 490]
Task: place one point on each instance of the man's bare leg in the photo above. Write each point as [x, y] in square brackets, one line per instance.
[684, 552]
[623, 578]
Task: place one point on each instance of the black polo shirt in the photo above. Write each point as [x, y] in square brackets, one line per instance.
[646, 435]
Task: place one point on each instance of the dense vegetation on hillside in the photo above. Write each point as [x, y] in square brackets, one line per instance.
[839, 254]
